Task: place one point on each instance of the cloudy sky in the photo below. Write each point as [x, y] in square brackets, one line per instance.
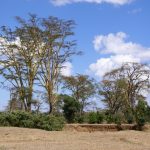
[109, 32]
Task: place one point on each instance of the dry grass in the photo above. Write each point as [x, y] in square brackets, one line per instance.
[33, 139]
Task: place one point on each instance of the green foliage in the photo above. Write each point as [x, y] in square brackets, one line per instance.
[70, 109]
[140, 113]
[129, 116]
[3, 120]
[82, 87]
[29, 120]
[100, 117]
[80, 119]
[95, 117]
[113, 93]
[148, 114]
[117, 119]
[92, 117]
[130, 119]
[122, 88]
[109, 118]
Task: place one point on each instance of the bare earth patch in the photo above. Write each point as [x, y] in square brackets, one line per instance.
[33, 139]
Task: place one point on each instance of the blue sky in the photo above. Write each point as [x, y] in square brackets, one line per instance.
[109, 32]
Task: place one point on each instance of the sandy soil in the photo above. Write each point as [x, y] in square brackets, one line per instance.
[33, 139]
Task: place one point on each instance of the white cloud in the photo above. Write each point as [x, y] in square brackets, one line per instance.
[104, 65]
[118, 44]
[119, 51]
[67, 69]
[114, 2]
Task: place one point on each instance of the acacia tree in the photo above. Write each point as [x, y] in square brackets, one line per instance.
[21, 54]
[138, 79]
[11, 67]
[58, 48]
[35, 50]
[135, 77]
[82, 87]
[113, 94]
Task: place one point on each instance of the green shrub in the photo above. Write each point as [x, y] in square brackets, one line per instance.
[109, 119]
[26, 124]
[129, 116]
[80, 119]
[49, 122]
[140, 114]
[29, 120]
[148, 114]
[70, 109]
[95, 117]
[56, 123]
[100, 117]
[12, 119]
[130, 119]
[117, 119]
[92, 118]
[3, 120]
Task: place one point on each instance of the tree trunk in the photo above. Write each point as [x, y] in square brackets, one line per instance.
[50, 108]
[30, 94]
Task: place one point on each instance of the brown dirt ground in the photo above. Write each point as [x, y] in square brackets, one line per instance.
[34, 139]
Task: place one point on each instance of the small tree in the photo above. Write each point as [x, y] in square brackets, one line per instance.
[113, 94]
[70, 108]
[141, 113]
[82, 88]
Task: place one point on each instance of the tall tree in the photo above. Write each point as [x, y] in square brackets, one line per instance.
[58, 49]
[21, 49]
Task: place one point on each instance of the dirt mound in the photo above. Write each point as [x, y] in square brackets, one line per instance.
[98, 127]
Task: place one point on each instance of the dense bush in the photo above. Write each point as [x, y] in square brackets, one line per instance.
[100, 117]
[70, 108]
[95, 117]
[116, 118]
[130, 119]
[92, 117]
[148, 114]
[109, 118]
[80, 119]
[29, 120]
[141, 114]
